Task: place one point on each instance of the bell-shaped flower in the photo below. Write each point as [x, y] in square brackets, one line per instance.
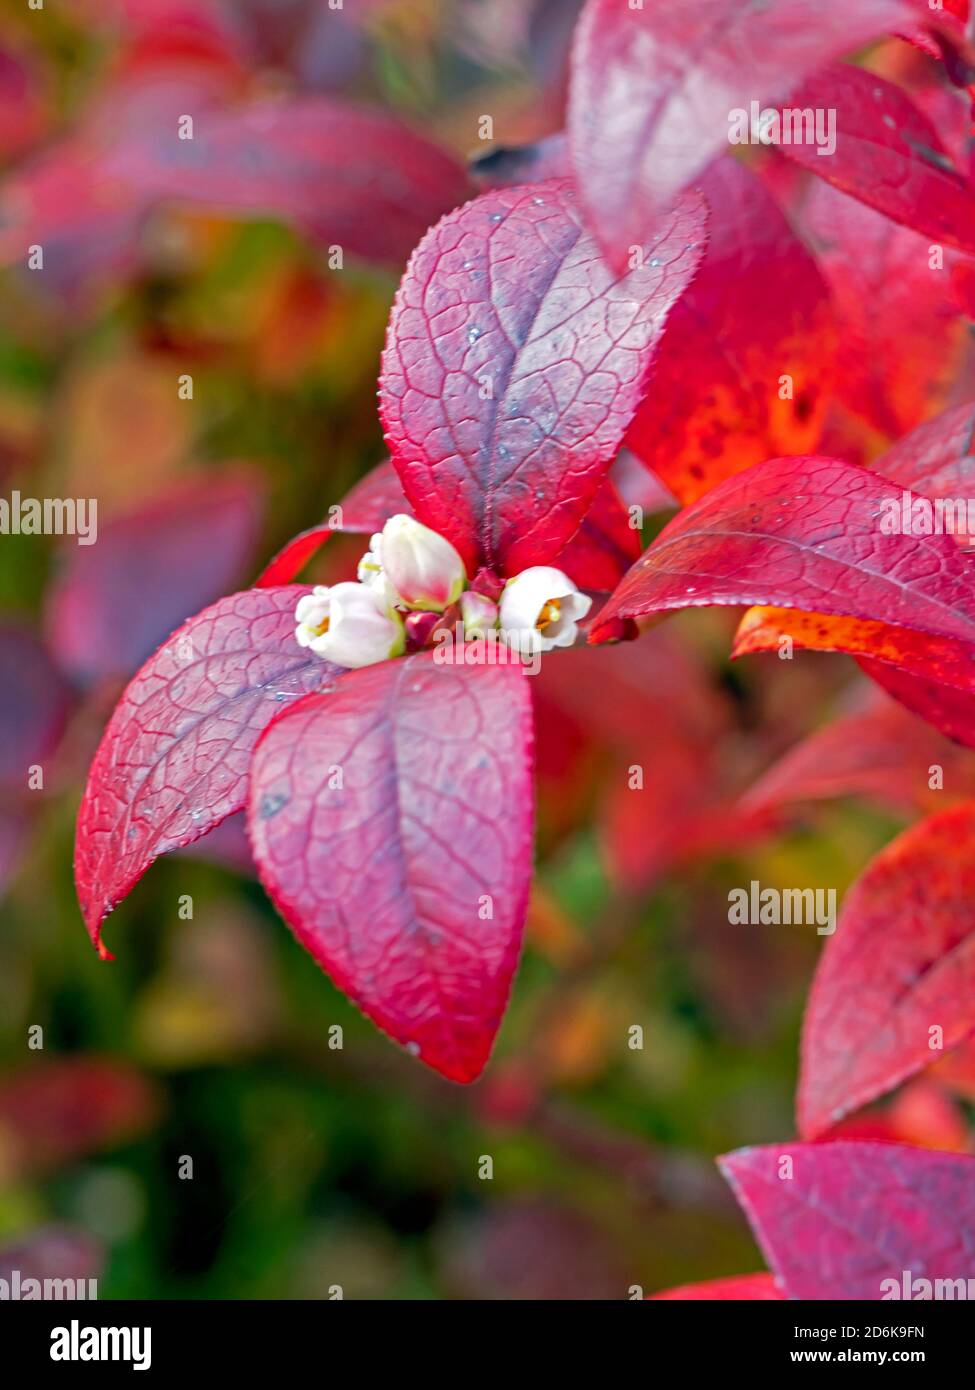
[349, 624]
[541, 609]
[422, 568]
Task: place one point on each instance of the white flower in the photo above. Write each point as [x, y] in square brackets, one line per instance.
[421, 567]
[479, 614]
[540, 609]
[349, 624]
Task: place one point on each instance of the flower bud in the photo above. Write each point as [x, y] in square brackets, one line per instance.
[349, 624]
[370, 572]
[540, 609]
[422, 568]
[419, 629]
[479, 614]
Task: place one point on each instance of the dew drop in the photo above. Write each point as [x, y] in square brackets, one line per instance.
[271, 805]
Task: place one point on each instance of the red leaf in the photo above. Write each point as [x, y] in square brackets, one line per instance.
[880, 751]
[682, 815]
[946, 706]
[901, 337]
[510, 294]
[320, 163]
[757, 310]
[292, 558]
[652, 89]
[605, 545]
[937, 459]
[931, 676]
[56, 1112]
[385, 879]
[888, 155]
[855, 1214]
[174, 760]
[800, 533]
[23, 104]
[114, 602]
[750, 1288]
[922, 1113]
[901, 961]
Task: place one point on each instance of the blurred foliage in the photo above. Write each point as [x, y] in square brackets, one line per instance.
[210, 1038]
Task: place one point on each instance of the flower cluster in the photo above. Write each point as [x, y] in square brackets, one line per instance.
[409, 580]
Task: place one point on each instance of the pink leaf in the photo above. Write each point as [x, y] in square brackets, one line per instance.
[513, 365]
[320, 163]
[854, 1215]
[316, 162]
[801, 533]
[51, 1252]
[409, 881]
[652, 89]
[888, 155]
[174, 760]
[34, 704]
[596, 557]
[901, 961]
[114, 602]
